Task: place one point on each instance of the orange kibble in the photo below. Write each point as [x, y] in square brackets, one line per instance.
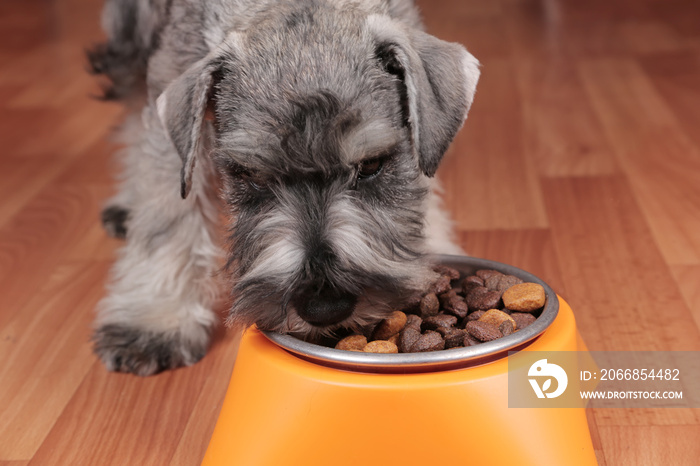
[352, 343]
[525, 297]
[380, 346]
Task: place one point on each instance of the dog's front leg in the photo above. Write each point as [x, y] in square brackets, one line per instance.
[158, 313]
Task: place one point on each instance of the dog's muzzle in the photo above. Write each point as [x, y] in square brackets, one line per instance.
[325, 306]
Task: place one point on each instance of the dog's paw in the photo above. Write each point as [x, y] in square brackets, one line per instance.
[114, 221]
[126, 349]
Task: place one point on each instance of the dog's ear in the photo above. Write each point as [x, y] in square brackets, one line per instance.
[182, 106]
[437, 79]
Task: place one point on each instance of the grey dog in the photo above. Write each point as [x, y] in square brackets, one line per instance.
[314, 126]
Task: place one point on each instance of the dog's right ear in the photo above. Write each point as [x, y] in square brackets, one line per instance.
[182, 106]
[437, 81]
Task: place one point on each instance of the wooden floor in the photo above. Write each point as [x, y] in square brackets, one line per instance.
[580, 162]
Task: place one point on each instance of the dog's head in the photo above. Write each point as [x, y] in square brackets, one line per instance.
[328, 126]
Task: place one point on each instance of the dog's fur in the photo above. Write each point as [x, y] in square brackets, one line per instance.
[327, 121]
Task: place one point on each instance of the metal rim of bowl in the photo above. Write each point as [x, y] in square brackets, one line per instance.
[436, 360]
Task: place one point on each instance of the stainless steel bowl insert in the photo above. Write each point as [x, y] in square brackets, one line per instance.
[436, 360]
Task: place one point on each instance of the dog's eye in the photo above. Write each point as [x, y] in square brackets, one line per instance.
[370, 168]
[239, 172]
[254, 185]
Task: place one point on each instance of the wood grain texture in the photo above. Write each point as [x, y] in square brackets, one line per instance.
[635, 445]
[688, 280]
[661, 161]
[122, 419]
[580, 162]
[496, 181]
[40, 379]
[608, 252]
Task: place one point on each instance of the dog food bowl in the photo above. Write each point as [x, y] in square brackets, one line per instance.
[293, 403]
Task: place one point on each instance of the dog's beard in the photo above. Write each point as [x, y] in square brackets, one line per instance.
[274, 311]
[374, 253]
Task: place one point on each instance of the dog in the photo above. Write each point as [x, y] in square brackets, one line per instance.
[314, 126]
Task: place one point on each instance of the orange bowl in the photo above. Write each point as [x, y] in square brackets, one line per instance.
[300, 405]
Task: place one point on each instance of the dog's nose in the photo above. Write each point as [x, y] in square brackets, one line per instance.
[325, 307]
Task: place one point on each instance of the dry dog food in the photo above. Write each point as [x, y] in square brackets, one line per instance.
[454, 313]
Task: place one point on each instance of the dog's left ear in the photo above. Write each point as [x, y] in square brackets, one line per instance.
[183, 104]
[438, 82]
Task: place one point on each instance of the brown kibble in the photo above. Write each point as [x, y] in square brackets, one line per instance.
[390, 326]
[414, 321]
[443, 298]
[454, 337]
[481, 298]
[412, 305]
[476, 315]
[472, 281]
[507, 327]
[429, 305]
[454, 304]
[524, 297]
[496, 317]
[501, 282]
[507, 281]
[380, 346]
[483, 331]
[491, 282]
[441, 285]
[429, 341]
[445, 318]
[352, 343]
[469, 340]
[450, 272]
[522, 319]
[440, 320]
[485, 274]
[408, 337]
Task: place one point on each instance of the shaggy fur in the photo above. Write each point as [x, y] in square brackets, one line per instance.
[324, 120]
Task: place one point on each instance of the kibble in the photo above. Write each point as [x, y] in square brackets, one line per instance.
[395, 339]
[413, 321]
[407, 338]
[390, 326]
[440, 320]
[481, 298]
[380, 346]
[476, 315]
[442, 285]
[485, 274]
[469, 340]
[352, 343]
[454, 304]
[522, 319]
[524, 297]
[429, 341]
[429, 305]
[483, 331]
[481, 307]
[496, 317]
[506, 328]
[450, 272]
[470, 282]
[454, 337]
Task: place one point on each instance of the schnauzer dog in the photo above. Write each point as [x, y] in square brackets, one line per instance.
[314, 126]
